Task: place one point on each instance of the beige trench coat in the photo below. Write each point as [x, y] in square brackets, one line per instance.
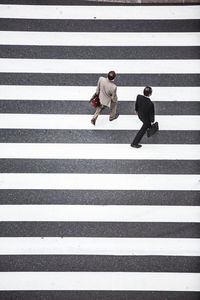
[107, 91]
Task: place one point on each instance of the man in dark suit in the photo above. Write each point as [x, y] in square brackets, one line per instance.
[144, 108]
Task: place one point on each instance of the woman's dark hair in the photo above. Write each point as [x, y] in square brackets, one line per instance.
[147, 91]
[111, 75]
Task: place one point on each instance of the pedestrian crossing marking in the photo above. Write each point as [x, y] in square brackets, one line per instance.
[99, 38]
[98, 213]
[84, 93]
[118, 281]
[98, 151]
[87, 66]
[99, 181]
[99, 246]
[124, 122]
[97, 12]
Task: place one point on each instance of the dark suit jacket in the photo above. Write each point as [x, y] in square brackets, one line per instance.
[145, 109]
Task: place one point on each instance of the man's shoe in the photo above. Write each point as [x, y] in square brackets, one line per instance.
[93, 121]
[115, 117]
[136, 146]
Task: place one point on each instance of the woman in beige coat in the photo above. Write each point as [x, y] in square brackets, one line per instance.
[107, 91]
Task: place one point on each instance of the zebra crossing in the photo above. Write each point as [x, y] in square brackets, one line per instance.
[83, 215]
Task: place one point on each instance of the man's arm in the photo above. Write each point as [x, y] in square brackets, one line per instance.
[114, 95]
[98, 87]
[136, 106]
[152, 114]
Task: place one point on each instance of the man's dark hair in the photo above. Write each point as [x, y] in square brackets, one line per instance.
[111, 75]
[147, 91]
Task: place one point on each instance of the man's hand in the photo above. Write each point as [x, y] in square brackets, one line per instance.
[152, 123]
[136, 112]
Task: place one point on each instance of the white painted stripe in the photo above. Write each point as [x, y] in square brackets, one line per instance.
[99, 246]
[84, 93]
[111, 281]
[98, 151]
[99, 181]
[99, 213]
[99, 38]
[87, 66]
[99, 12]
[82, 122]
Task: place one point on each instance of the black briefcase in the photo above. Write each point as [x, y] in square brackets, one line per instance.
[152, 130]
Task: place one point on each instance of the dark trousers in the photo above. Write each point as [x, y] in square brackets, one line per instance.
[141, 132]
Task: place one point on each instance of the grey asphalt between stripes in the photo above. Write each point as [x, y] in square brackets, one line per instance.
[100, 229]
[49, 25]
[96, 136]
[82, 107]
[98, 263]
[82, 2]
[100, 295]
[100, 52]
[96, 197]
[99, 166]
[56, 2]
[55, 79]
